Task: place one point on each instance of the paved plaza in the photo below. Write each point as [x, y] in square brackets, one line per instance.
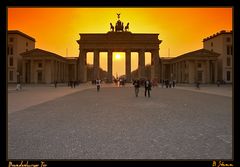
[80, 123]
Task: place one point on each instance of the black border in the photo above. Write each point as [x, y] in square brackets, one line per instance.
[120, 3]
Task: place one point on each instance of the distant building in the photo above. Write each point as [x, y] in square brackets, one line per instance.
[221, 43]
[40, 66]
[199, 65]
[28, 64]
[18, 42]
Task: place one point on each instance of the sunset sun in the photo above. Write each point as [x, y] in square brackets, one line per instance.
[117, 56]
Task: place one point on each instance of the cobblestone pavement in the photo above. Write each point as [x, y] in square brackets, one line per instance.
[114, 124]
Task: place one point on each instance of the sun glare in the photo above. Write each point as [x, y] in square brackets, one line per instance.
[118, 56]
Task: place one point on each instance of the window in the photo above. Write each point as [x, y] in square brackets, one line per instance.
[199, 65]
[11, 39]
[211, 43]
[10, 75]
[40, 65]
[229, 49]
[228, 61]
[8, 50]
[11, 51]
[228, 75]
[11, 61]
[228, 39]
[26, 43]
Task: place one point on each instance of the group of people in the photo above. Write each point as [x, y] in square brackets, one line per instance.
[73, 84]
[147, 85]
[119, 81]
[168, 83]
[136, 83]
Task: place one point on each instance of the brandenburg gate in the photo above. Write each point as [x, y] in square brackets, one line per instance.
[119, 39]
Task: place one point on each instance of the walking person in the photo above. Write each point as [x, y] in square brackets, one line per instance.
[163, 82]
[170, 84]
[148, 87]
[55, 84]
[18, 86]
[218, 83]
[136, 84]
[98, 82]
[173, 83]
[74, 84]
[198, 85]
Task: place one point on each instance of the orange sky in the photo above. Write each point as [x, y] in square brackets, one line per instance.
[181, 29]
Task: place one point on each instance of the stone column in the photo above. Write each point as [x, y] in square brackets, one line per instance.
[141, 64]
[82, 66]
[32, 71]
[55, 70]
[128, 65]
[207, 79]
[152, 68]
[109, 66]
[162, 78]
[156, 62]
[43, 71]
[163, 71]
[215, 71]
[195, 71]
[96, 65]
[23, 71]
[58, 71]
[64, 72]
[75, 71]
[177, 72]
[51, 71]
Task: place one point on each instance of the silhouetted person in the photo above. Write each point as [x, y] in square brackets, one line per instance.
[55, 84]
[74, 84]
[198, 84]
[148, 87]
[173, 83]
[98, 82]
[167, 83]
[170, 84]
[163, 82]
[136, 84]
[18, 86]
[218, 83]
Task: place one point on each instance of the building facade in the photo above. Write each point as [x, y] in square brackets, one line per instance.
[197, 66]
[40, 66]
[29, 65]
[18, 42]
[221, 43]
[119, 42]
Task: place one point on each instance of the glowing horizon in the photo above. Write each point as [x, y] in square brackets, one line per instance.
[181, 29]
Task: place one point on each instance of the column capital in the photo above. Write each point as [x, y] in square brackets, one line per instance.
[127, 50]
[96, 51]
[141, 50]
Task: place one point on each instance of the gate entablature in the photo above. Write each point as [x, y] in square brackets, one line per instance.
[120, 40]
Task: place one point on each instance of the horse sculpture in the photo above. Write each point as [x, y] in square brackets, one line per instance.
[127, 27]
[111, 27]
